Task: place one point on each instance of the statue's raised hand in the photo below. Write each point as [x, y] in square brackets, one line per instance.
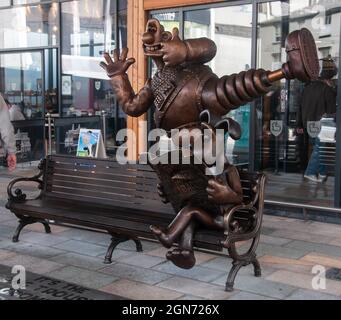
[119, 65]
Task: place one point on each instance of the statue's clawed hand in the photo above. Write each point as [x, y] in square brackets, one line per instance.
[174, 51]
[218, 192]
[119, 66]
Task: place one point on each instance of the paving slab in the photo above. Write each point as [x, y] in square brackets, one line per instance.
[274, 240]
[33, 264]
[303, 236]
[302, 294]
[201, 289]
[140, 291]
[7, 231]
[282, 251]
[147, 245]
[142, 260]
[83, 277]
[198, 272]
[286, 264]
[191, 298]
[315, 247]
[4, 254]
[304, 281]
[34, 250]
[261, 286]
[78, 260]
[249, 296]
[317, 258]
[87, 236]
[118, 255]
[336, 241]
[43, 238]
[148, 276]
[82, 247]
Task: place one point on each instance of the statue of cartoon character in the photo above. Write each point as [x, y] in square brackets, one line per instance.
[181, 90]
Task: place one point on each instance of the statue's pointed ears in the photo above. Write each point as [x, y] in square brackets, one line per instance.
[229, 125]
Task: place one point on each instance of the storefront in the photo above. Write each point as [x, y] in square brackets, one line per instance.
[251, 34]
[49, 63]
[58, 46]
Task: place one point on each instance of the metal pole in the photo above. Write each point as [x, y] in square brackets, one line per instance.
[337, 199]
[49, 121]
[104, 127]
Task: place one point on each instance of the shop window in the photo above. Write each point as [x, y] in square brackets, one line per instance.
[5, 3]
[29, 26]
[89, 30]
[230, 27]
[296, 148]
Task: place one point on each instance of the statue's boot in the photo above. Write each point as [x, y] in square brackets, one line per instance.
[183, 257]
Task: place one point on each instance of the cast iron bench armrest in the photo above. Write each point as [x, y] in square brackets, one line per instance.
[236, 237]
[18, 196]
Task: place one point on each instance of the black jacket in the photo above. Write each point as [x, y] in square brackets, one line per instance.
[318, 99]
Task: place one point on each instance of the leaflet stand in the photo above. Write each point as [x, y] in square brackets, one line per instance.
[91, 144]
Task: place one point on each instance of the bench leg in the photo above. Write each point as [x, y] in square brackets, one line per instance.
[257, 268]
[240, 261]
[138, 244]
[46, 226]
[236, 266]
[25, 221]
[115, 241]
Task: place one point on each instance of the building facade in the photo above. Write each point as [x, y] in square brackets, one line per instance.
[50, 51]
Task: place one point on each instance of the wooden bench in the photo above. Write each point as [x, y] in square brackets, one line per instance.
[123, 201]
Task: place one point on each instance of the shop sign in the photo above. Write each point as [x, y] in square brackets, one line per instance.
[276, 127]
[98, 85]
[314, 128]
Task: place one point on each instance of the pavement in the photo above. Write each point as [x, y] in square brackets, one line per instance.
[301, 260]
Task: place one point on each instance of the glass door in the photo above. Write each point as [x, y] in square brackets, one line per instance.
[229, 27]
[22, 84]
[295, 140]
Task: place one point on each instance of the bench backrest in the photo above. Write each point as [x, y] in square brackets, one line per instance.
[107, 183]
[102, 182]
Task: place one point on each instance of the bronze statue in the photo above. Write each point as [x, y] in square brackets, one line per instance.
[181, 90]
[199, 199]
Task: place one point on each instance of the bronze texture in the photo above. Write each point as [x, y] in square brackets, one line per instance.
[183, 90]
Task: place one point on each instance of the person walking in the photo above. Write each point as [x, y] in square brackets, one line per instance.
[318, 101]
[7, 137]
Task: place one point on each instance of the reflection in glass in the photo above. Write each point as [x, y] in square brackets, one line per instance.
[29, 26]
[305, 145]
[67, 132]
[88, 32]
[21, 82]
[230, 28]
[29, 137]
